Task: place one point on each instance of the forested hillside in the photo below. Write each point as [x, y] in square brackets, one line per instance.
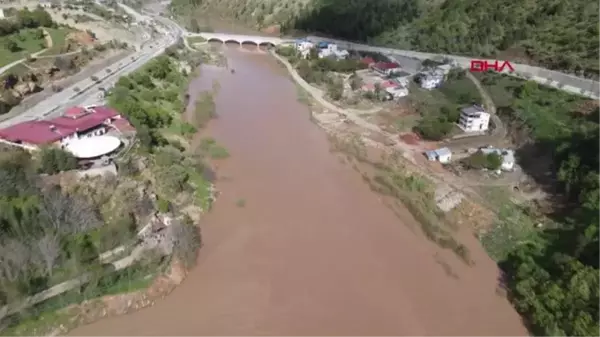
[556, 34]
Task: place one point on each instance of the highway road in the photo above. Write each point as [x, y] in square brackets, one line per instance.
[88, 91]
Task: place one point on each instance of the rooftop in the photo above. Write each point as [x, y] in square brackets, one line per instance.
[92, 147]
[386, 65]
[474, 110]
[35, 132]
[74, 120]
[82, 120]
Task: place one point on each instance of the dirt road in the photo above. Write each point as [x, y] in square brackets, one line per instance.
[313, 251]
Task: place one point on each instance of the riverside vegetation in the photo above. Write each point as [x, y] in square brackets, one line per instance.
[552, 275]
[55, 227]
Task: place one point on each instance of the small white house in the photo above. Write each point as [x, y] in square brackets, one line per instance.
[474, 119]
[397, 92]
[431, 80]
[508, 157]
[443, 155]
[302, 46]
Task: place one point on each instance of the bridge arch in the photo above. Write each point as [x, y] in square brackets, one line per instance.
[214, 39]
[267, 44]
[249, 42]
[232, 41]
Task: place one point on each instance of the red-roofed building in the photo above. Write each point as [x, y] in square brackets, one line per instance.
[75, 123]
[386, 68]
[74, 112]
[35, 133]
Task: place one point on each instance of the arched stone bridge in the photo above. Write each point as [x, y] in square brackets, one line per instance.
[241, 39]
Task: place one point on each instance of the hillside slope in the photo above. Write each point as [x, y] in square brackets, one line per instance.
[556, 34]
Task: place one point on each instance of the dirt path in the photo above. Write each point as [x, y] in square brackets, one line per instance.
[313, 251]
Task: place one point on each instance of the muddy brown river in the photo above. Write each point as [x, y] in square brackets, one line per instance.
[314, 251]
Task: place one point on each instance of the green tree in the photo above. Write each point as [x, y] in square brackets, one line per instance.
[356, 82]
[305, 71]
[12, 46]
[335, 89]
[54, 160]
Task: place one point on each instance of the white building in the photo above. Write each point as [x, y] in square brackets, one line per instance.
[474, 119]
[333, 50]
[397, 92]
[304, 45]
[443, 155]
[508, 157]
[431, 80]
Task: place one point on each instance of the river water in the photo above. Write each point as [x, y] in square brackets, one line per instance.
[313, 251]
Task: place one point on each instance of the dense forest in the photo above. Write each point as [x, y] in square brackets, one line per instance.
[553, 279]
[558, 34]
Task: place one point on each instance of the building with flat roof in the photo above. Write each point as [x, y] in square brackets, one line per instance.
[93, 147]
[474, 119]
[75, 123]
[443, 155]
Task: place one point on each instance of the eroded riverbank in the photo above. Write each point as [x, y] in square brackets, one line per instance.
[313, 251]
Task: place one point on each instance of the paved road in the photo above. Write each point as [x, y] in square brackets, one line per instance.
[55, 105]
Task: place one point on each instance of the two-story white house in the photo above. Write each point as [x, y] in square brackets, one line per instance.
[474, 119]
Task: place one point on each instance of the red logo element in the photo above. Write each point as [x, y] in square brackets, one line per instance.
[483, 65]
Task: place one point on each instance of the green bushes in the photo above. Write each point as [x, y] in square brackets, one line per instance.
[54, 160]
[480, 160]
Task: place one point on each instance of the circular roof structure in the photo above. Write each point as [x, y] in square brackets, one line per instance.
[92, 147]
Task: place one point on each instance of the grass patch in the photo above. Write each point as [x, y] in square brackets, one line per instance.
[548, 112]
[181, 128]
[43, 324]
[18, 70]
[240, 203]
[28, 41]
[204, 109]
[515, 225]
[213, 149]
[202, 189]
[513, 228]
[59, 38]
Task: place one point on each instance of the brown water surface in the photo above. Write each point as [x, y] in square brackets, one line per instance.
[313, 251]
